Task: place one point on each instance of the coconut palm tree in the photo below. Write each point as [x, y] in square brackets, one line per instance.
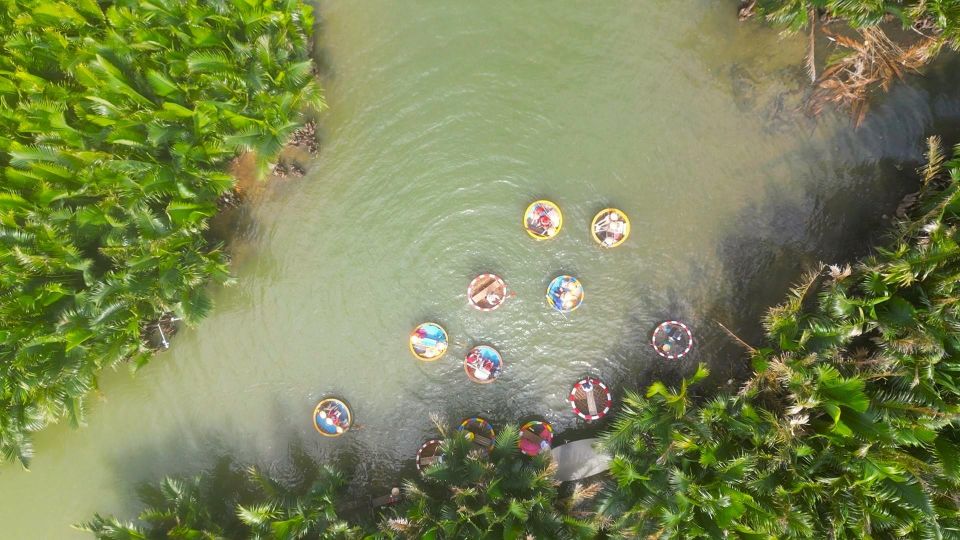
[470, 494]
[233, 504]
[116, 130]
[279, 513]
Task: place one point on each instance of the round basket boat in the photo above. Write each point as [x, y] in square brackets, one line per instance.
[332, 417]
[672, 339]
[590, 399]
[487, 292]
[610, 227]
[542, 220]
[565, 293]
[535, 437]
[479, 431]
[483, 364]
[429, 453]
[428, 342]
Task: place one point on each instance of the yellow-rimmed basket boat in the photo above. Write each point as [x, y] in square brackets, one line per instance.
[428, 342]
[542, 220]
[565, 293]
[332, 417]
[610, 227]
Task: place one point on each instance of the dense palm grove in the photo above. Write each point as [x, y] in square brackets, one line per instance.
[118, 120]
[469, 494]
[256, 506]
[472, 495]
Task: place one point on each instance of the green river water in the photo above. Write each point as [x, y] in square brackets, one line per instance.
[446, 120]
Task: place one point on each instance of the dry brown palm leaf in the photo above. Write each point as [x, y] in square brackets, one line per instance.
[828, 73]
[839, 273]
[440, 422]
[585, 492]
[551, 469]
[746, 346]
[935, 158]
[399, 524]
[873, 61]
[847, 42]
[305, 137]
[858, 111]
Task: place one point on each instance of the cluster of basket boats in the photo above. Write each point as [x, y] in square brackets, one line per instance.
[590, 398]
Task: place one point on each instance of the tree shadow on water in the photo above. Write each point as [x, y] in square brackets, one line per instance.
[779, 238]
[767, 248]
[293, 457]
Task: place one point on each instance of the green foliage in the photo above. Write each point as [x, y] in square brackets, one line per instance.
[471, 494]
[942, 16]
[849, 427]
[117, 123]
[228, 504]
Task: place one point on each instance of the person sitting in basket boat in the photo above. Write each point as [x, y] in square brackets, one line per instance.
[488, 368]
[542, 222]
[615, 230]
[474, 359]
[674, 334]
[568, 296]
[545, 222]
[482, 367]
[333, 416]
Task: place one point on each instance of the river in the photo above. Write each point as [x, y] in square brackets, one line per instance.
[446, 120]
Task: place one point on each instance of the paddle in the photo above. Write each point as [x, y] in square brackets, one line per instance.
[552, 303]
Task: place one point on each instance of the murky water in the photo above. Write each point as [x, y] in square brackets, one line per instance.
[446, 120]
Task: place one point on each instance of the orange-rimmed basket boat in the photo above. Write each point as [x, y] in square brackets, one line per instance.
[487, 292]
